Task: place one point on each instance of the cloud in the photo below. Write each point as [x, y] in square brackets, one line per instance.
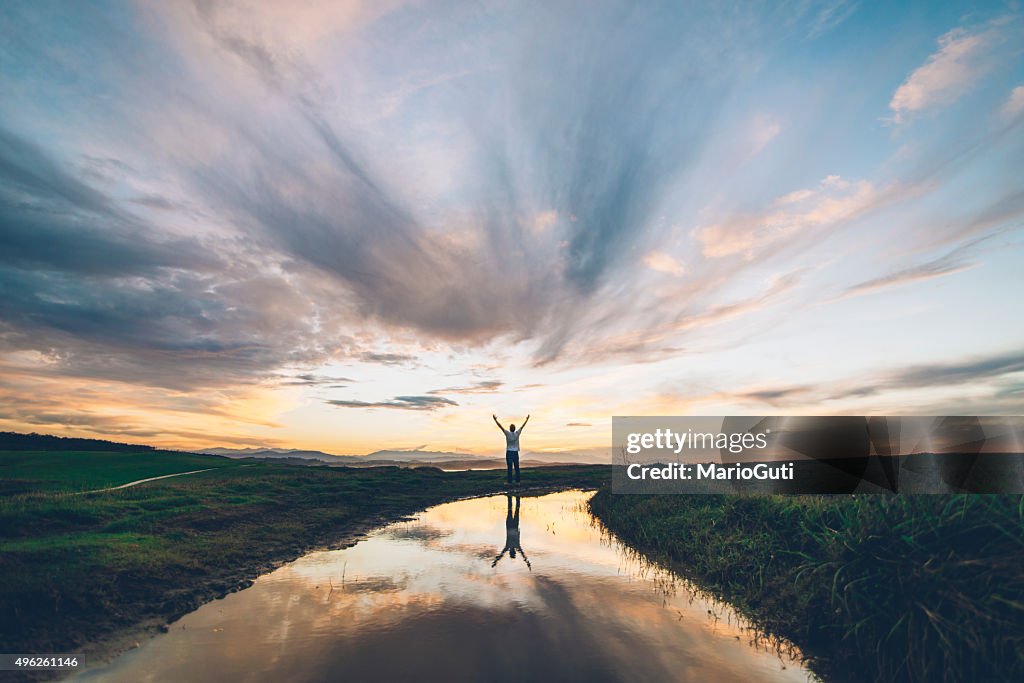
[946, 75]
[544, 221]
[604, 143]
[294, 28]
[272, 139]
[27, 170]
[827, 16]
[90, 286]
[776, 287]
[155, 201]
[310, 380]
[562, 148]
[763, 131]
[663, 263]
[387, 358]
[578, 424]
[35, 394]
[483, 387]
[651, 341]
[973, 369]
[773, 396]
[52, 221]
[326, 203]
[952, 262]
[399, 403]
[925, 271]
[1014, 105]
[959, 372]
[833, 202]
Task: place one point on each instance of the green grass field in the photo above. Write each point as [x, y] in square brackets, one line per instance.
[76, 569]
[871, 587]
[26, 471]
[887, 588]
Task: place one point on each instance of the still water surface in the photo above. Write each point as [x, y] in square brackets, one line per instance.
[468, 591]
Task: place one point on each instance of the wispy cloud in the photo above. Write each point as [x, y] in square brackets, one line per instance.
[947, 74]
[774, 396]
[762, 131]
[967, 370]
[827, 16]
[833, 202]
[973, 369]
[387, 358]
[312, 380]
[664, 263]
[399, 403]
[954, 261]
[489, 386]
[1014, 105]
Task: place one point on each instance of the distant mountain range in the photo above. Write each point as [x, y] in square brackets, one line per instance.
[377, 457]
[12, 441]
[446, 459]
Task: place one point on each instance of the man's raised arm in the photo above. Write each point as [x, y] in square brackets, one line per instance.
[523, 426]
[497, 423]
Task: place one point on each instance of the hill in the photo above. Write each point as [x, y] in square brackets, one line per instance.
[13, 441]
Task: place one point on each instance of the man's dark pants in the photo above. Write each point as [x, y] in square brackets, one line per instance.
[512, 460]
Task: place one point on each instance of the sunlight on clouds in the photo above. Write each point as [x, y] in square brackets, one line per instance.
[85, 407]
[664, 263]
[763, 131]
[1014, 105]
[833, 202]
[544, 221]
[292, 27]
[946, 76]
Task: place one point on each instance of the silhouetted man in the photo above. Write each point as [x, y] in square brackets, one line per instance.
[512, 446]
[512, 542]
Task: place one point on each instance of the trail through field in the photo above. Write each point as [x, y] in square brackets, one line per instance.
[143, 481]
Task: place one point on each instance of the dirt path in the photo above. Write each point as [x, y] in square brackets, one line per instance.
[143, 481]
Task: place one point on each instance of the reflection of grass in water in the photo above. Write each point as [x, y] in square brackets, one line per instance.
[75, 568]
[869, 587]
[669, 584]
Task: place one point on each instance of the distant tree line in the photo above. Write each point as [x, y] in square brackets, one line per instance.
[12, 441]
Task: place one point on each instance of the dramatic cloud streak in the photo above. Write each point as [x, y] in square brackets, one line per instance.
[833, 202]
[484, 387]
[924, 376]
[399, 402]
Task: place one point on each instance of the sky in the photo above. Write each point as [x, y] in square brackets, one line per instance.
[356, 226]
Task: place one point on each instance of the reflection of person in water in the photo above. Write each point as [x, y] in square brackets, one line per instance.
[512, 446]
[512, 542]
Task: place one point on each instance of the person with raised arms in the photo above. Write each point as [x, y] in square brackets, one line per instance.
[512, 446]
